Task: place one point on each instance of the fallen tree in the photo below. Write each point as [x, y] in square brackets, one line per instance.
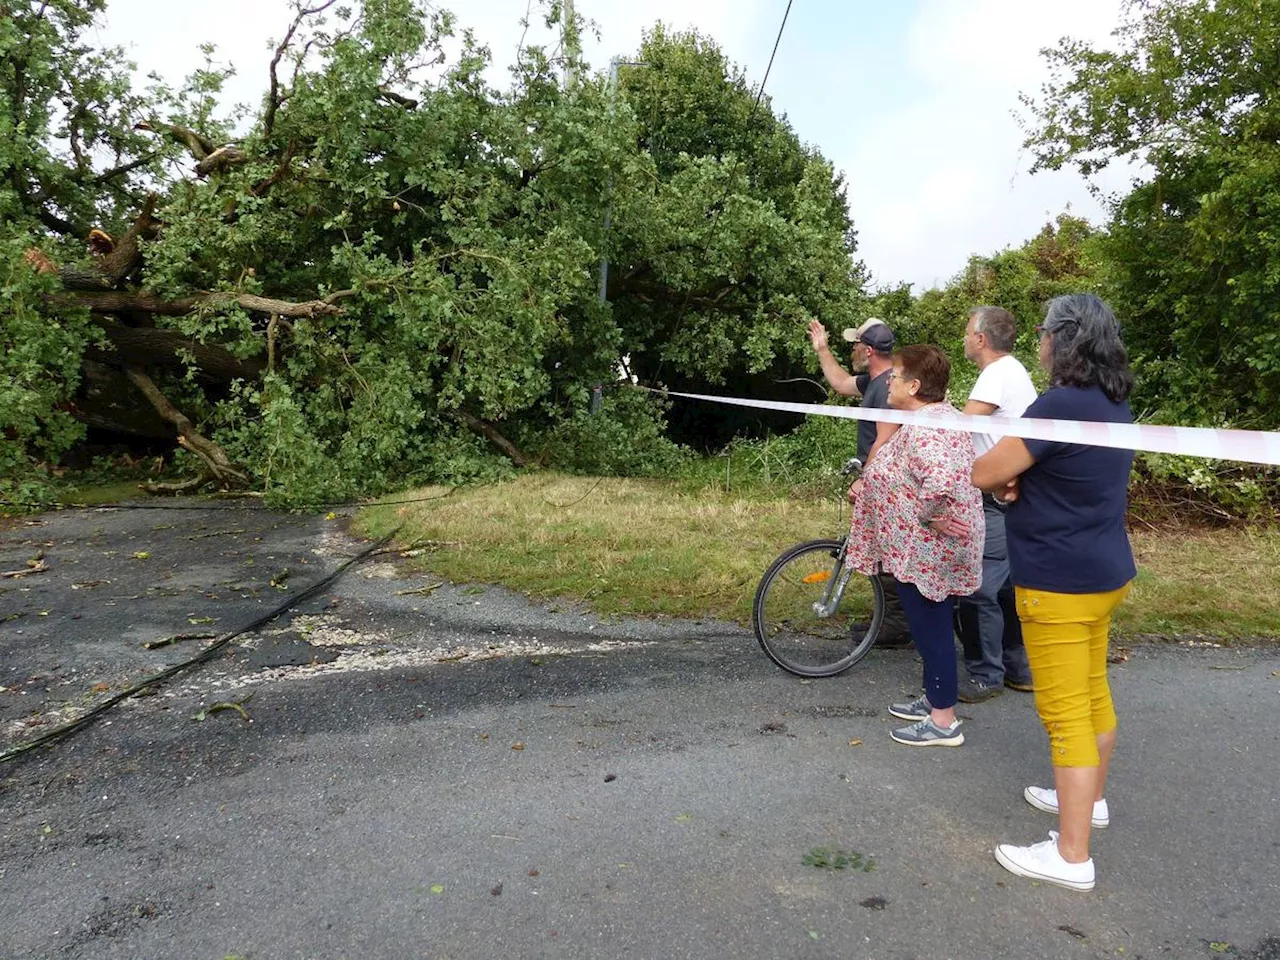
[391, 274]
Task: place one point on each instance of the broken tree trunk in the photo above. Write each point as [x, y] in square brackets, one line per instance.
[153, 347]
[123, 258]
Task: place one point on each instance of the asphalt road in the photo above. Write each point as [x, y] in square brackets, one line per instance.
[457, 773]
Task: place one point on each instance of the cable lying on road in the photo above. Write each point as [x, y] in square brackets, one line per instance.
[205, 654]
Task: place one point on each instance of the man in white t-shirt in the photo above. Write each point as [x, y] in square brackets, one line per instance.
[989, 632]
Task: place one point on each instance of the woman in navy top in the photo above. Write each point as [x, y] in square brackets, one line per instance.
[1071, 565]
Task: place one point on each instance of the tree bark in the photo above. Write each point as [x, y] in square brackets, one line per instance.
[151, 347]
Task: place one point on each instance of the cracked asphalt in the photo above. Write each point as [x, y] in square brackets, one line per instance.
[430, 770]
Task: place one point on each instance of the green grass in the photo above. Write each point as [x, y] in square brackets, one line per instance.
[653, 547]
[94, 495]
[1221, 583]
[626, 546]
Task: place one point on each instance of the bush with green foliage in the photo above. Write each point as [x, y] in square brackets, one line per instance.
[1192, 255]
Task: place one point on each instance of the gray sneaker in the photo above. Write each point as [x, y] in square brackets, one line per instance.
[917, 709]
[926, 733]
[972, 690]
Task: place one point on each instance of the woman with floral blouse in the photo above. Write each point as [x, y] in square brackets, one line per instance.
[917, 515]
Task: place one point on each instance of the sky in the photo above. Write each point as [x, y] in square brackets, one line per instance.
[914, 100]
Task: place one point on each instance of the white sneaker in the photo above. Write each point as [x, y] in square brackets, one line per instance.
[1046, 799]
[1042, 861]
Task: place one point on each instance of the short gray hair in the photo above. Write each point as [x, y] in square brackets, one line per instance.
[999, 326]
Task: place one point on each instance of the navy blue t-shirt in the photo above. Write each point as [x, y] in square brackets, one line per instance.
[875, 396]
[1066, 529]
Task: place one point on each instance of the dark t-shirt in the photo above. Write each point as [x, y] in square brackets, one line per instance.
[875, 396]
[1066, 529]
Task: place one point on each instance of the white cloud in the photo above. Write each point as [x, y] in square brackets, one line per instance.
[944, 175]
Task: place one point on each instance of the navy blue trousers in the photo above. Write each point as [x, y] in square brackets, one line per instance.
[932, 630]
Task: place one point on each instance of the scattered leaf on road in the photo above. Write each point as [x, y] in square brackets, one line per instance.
[176, 638]
[683, 817]
[142, 555]
[437, 888]
[518, 745]
[420, 591]
[244, 714]
[855, 742]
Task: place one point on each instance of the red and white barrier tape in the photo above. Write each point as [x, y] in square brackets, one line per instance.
[1248, 446]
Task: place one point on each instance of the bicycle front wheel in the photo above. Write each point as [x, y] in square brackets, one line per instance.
[790, 611]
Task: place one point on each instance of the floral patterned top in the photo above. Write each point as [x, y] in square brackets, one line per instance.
[919, 474]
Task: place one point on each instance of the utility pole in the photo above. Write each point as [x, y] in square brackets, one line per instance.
[614, 64]
[568, 40]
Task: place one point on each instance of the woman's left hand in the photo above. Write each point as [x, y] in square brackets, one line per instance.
[949, 526]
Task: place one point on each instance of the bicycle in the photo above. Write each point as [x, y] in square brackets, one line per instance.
[813, 616]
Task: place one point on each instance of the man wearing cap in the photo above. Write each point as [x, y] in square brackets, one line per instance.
[989, 630]
[872, 348]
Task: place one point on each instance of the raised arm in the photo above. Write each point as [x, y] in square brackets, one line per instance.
[842, 382]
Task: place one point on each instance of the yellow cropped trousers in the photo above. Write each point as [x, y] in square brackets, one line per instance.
[1066, 639]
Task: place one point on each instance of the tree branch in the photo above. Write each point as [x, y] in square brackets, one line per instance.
[56, 223]
[282, 171]
[221, 159]
[123, 169]
[490, 432]
[112, 269]
[199, 147]
[121, 301]
[273, 98]
[214, 457]
[407, 102]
